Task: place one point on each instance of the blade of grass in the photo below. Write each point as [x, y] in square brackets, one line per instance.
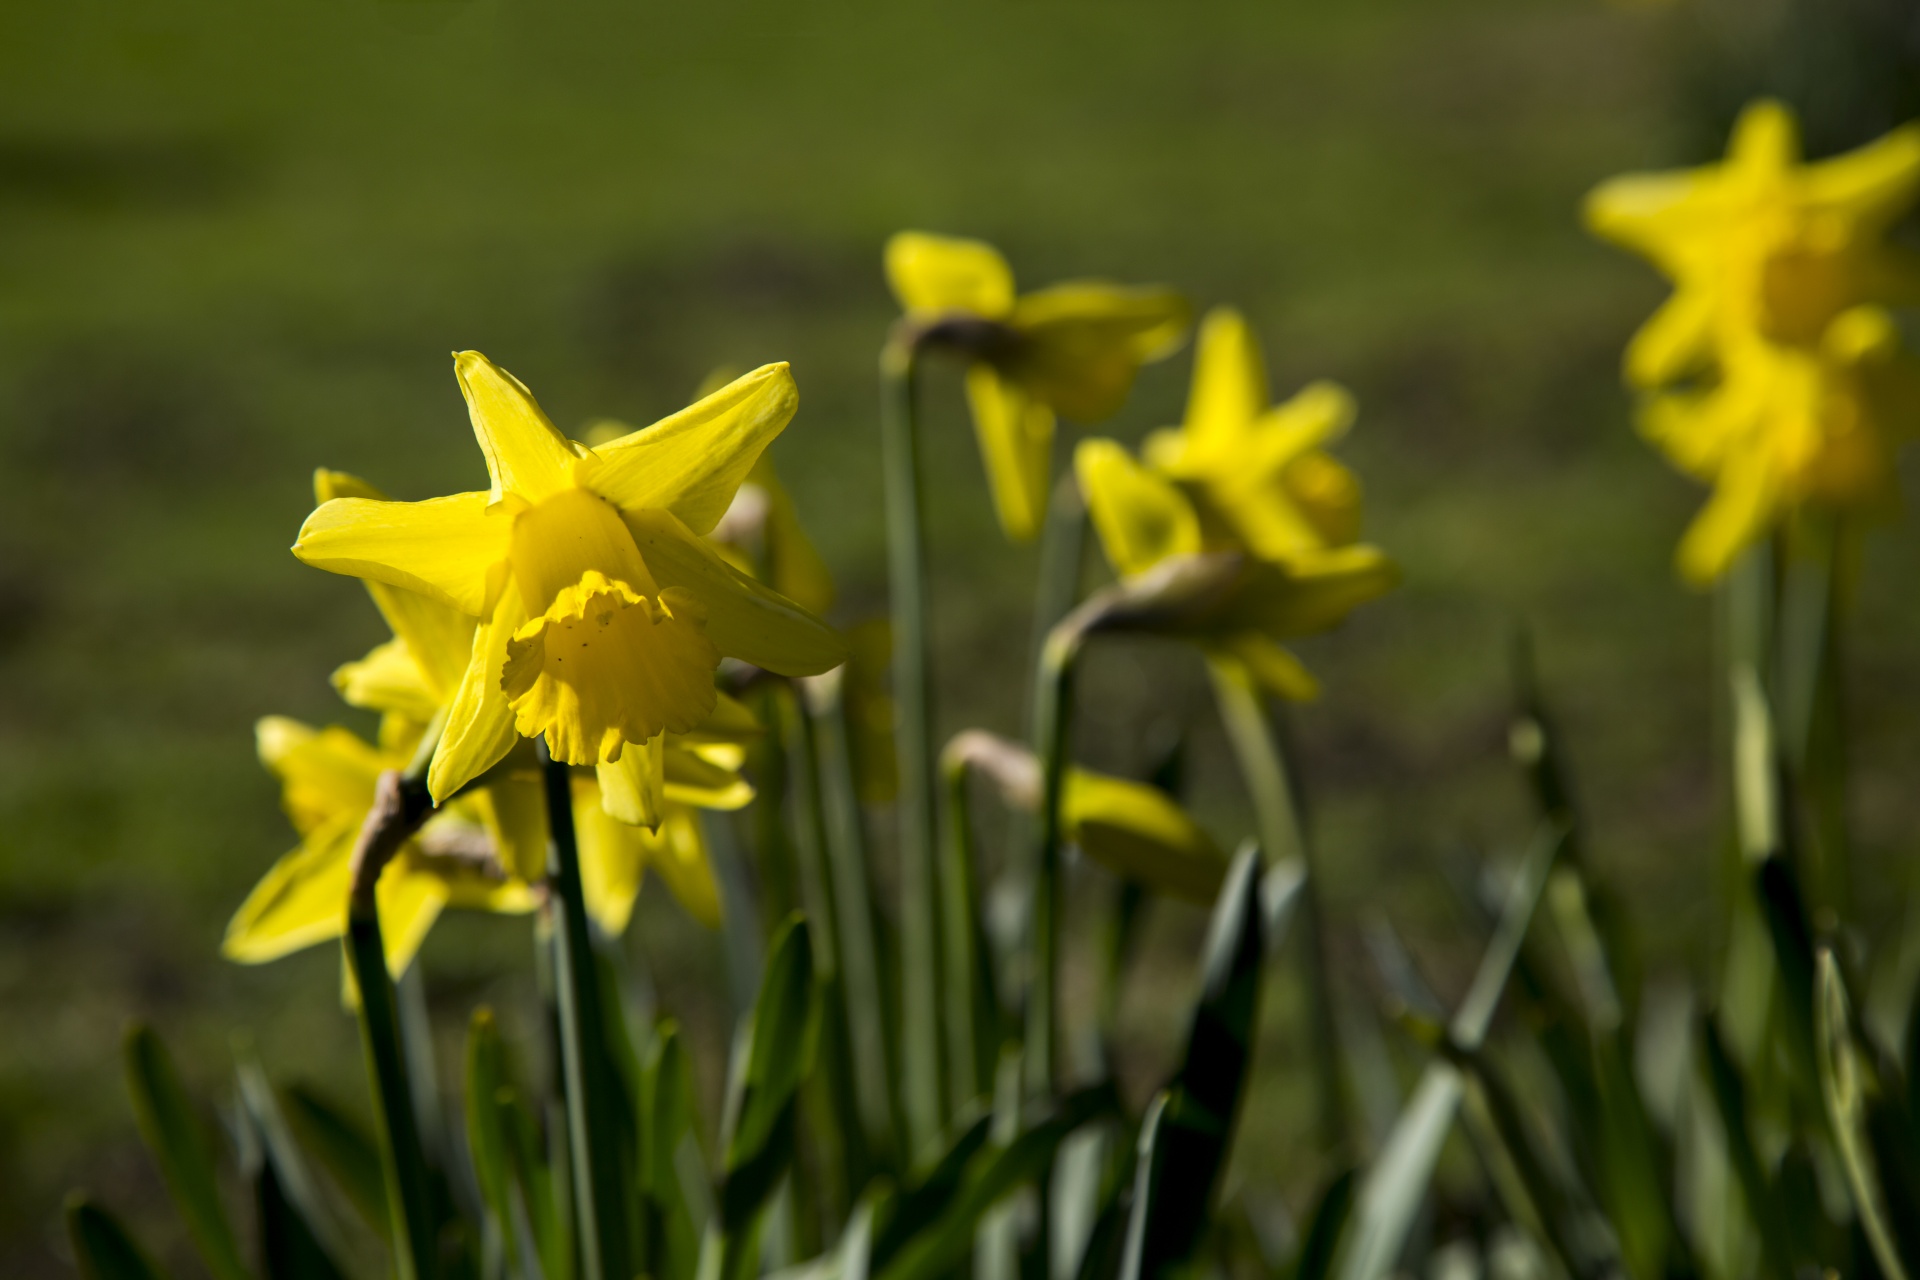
[1845, 1085]
[338, 1142]
[178, 1140]
[102, 1249]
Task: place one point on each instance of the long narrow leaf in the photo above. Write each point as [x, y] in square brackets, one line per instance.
[673, 1237]
[1845, 1087]
[298, 1239]
[101, 1246]
[488, 1142]
[174, 1134]
[342, 1146]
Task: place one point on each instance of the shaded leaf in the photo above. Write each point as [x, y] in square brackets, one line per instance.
[101, 1246]
[339, 1143]
[1845, 1085]
[174, 1134]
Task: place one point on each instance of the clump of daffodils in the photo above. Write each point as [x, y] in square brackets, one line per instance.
[1774, 373]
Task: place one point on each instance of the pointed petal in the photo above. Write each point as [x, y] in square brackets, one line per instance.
[1141, 518]
[679, 854]
[387, 679]
[1085, 341]
[409, 901]
[691, 463]
[612, 859]
[1310, 592]
[479, 729]
[1268, 665]
[1873, 185]
[930, 274]
[745, 620]
[1139, 832]
[328, 485]
[1015, 433]
[322, 773]
[1229, 388]
[692, 780]
[1674, 342]
[631, 787]
[445, 548]
[1741, 509]
[301, 901]
[1766, 138]
[526, 454]
[515, 812]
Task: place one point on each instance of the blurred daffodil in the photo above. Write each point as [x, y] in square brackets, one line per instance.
[1234, 603]
[601, 613]
[1071, 349]
[1771, 372]
[1135, 830]
[1260, 470]
[328, 777]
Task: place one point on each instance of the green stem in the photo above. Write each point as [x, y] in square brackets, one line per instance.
[1062, 553]
[594, 1121]
[972, 1024]
[1053, 712]
[906, 566]
[409, 1184]
[1249, 728]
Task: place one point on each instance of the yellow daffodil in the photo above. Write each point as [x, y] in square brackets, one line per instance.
[1260, 469]
[601, 613]
[1148, 526]
[1135, 830]
[761, 536]
[1071, 349]
[328, 778]
[1772, 373]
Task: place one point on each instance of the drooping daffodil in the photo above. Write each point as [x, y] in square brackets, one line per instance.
[1260, 471]
[1771, 373]
[328, 777]
[1069, 350]
[601, 613]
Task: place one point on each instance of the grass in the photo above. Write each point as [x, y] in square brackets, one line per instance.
[236, 244]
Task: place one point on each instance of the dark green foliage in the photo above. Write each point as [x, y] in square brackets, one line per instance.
[177, 1137]
[101, 1246]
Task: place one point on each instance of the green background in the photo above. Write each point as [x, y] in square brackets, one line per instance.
[238, 242]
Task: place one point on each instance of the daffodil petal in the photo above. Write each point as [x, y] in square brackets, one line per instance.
[1269, 666]
[1739, 512]
[1141, 518]
[1229, 388]
[1674, 342]
[301, 901]
[691, 463]
[692, 780]
[1312, 591]
[679, 854]
[444, 548]
[931, 274]
[745, 620]
[387, 679]
[322, 773]
[1084, 341]
[409, 903]
[479, 730]
[612, 859]
[1138, 831]
[515, 812]
[1015, 433]
[631, 787]
[526, 454]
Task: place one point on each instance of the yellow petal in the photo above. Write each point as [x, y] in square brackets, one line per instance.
[526, 454]
[691, 463]
[322, 773]
[1766, 138]
[679, 854]
[328, 485]
[387, 679]
[515, 812]
[631, 787]
[1140, 517]
[1015, 432]
[731, 723]
[1674, 342]
[693, 780]
[605, 666]
[445, 548]
[612, 859]
[557, 541]
[1741, 509]
[409, 903]
[744, 619]
[479, 729]
[1139, 832]
[794, 566]
[931, 274]
[1873, 185]
[1268, 665]
[1229, 388]
[302, 900]
[1310, 592]
[1085, 341]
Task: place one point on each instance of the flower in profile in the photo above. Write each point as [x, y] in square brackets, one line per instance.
[1242, 533]
[1771, 372]
[601, 612]
[1070, 350]
[1261, 470]
[328, 779]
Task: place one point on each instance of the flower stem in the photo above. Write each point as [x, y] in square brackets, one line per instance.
[1053, 713]
[906, 566]
[398, 810]
[1250, 729]
[594, 1116]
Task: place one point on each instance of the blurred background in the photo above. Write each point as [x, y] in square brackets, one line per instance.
[238, 242]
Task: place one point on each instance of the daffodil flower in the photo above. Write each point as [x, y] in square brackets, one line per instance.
[1151, 531]
[1772, 372]
[328, 778]
[601, 613]
[1071, 349]
[1263, 476]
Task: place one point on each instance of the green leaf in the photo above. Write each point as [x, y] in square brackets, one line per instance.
[1329, 1219]
[101, 1246]
[1785, 912]
[1846, 1083]
[666, 1101]
[489, 1143]
[297, 1238]
[780, 1053]
[342, 1146]
[992, 1174]
[926, 1199]
[174, 1134]
[1729, 1092]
